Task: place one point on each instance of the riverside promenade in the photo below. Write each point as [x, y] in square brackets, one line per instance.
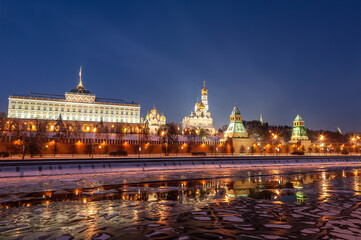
[66, 166]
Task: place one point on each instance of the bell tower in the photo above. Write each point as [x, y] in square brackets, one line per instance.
[204, 98]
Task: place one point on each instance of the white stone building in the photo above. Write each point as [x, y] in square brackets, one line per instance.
[201, 116]
[154, 120]
[77, 105]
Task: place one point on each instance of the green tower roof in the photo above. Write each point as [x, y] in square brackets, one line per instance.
[298, 118]
[235, 111]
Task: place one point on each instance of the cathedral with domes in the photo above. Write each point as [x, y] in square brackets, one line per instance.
[200, 117]
[154, 120]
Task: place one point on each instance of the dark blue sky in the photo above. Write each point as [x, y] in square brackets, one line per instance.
[278, 58]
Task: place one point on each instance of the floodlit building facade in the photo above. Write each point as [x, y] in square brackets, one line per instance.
[154, 120]
[237, 134]
[201, 116]
[236, 127]
[79, 104]
[299, 134]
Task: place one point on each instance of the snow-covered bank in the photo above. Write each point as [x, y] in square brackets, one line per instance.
[89, 166]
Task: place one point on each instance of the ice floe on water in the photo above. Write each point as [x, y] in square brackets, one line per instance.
[262, 204]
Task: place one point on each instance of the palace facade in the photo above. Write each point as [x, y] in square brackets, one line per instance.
[201, 116]
[79, 104]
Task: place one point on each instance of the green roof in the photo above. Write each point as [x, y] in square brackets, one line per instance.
[236, 127]
[298, 118]
[299, 131]
[235, 111]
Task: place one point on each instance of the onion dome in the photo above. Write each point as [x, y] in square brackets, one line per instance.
[154, 110]
[201, 105]
[204, 90]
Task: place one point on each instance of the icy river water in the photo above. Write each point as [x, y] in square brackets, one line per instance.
[259, 203]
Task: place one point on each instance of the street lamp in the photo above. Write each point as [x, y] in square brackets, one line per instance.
[322, 138]
[94, 130]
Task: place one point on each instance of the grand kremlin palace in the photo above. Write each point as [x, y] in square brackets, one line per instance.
[79, 106]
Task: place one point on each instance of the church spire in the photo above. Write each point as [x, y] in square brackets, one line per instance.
[80, 85]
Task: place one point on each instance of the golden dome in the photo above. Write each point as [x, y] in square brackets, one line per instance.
[204, 90]
[154, 110]
[201, 105]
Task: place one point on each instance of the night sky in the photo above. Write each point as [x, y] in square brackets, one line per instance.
[278, 58]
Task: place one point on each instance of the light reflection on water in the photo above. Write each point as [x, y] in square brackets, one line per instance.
[85, 211]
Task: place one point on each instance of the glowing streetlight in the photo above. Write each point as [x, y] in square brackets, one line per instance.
[322, 137]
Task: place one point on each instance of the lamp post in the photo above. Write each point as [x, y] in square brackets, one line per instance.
[139, 145]
[94, 130]
[322, 138]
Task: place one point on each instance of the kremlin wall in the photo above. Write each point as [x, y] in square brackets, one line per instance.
[78, 122]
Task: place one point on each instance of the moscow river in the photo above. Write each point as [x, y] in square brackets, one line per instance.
[262, 203]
